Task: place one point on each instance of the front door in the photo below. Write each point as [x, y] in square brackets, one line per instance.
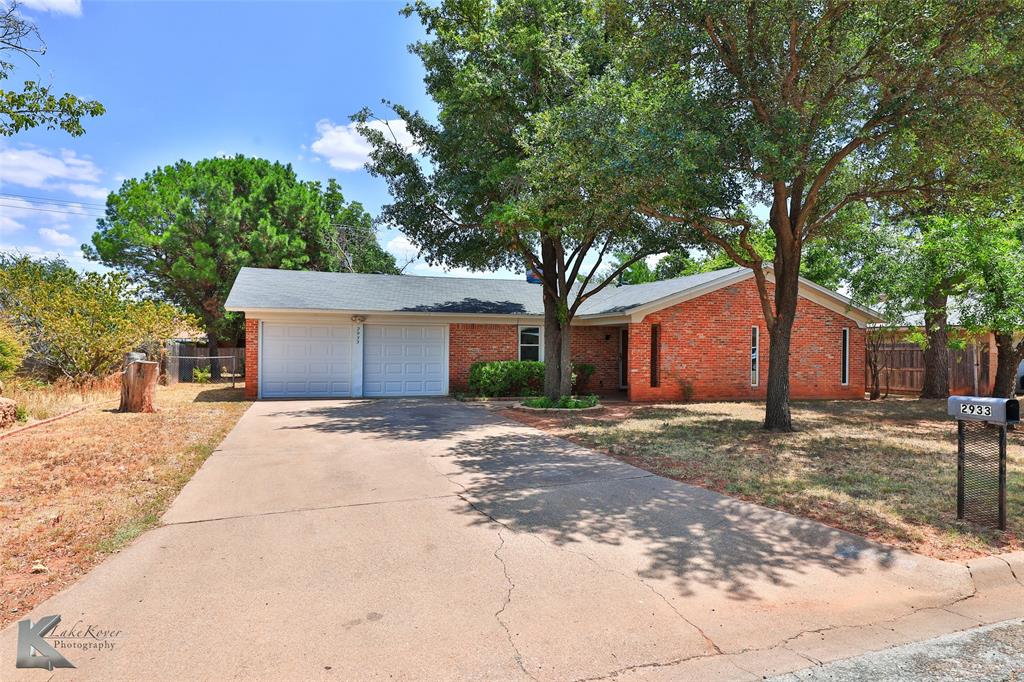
[624, 357]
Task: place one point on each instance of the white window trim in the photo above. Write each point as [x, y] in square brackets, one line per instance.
[755, 356]
[540, 341]
[844, 360]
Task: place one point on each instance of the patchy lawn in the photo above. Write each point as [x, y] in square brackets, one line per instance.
[39, 401]
[885, 470]
[79, 488]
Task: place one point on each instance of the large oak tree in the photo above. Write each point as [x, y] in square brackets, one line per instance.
[477, 191]
[729, 116]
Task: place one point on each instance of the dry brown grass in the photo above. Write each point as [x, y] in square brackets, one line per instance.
[42, 401]
[885, 470]
[76, 489]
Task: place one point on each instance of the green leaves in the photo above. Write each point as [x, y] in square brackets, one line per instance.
[35, 104]
[12, 350]
[184, 231]
[81, 325]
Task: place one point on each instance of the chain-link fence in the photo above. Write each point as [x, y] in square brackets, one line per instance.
[184, 362]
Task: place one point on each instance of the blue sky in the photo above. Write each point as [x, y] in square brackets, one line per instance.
[197, 79]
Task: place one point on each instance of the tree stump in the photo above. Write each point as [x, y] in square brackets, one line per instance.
[138, 386]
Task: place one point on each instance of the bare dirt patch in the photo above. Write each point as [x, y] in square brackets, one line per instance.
[76, 489]
[885, 470]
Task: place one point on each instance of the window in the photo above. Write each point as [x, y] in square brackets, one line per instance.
[844, 369]
[755, 352]
[531, 344]
[655, 353]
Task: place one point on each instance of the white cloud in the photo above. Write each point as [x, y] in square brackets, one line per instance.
[72, 7]
[40, 169]
[57, 238]
[88, 191]
[402, 249]
[345, 149]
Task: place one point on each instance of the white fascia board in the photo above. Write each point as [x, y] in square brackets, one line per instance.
[599, 320]
[371, 316]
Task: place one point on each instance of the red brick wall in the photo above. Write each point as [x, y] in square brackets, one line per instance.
[705, 345]
[470, 343]
[252, 355]
[589, 345]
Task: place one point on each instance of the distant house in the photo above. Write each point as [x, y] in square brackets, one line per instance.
[317, 334]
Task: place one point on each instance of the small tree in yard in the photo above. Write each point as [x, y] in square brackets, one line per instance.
[80, 325]
[728, 117]
[487, 198]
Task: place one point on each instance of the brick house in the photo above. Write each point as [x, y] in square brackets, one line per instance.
[317, 334]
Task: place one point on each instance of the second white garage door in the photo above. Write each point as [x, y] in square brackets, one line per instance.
[405, 360]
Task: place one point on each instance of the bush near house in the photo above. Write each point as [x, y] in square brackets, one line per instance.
[581, 373]
[504, 378]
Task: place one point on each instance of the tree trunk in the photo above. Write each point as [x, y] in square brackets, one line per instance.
[565, 361]
[214, 348]
[138, 386]
[875, 372]
[552, 329]
[936, 354]
[1008, 357]
[777, 415]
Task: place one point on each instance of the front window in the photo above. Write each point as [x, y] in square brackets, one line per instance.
[531, 346]
[755, 355]
[844, 362]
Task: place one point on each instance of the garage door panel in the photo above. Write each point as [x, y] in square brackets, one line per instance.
[405, 360]
[306, 361]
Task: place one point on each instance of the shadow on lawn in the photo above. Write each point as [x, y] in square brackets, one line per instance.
[684, 534]
[220, 394]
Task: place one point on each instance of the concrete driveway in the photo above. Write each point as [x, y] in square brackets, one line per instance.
[430, 539]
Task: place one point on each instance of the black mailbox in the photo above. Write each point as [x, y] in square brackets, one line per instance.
[981, 456]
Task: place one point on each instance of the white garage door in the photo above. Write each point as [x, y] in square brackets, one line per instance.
[306, 361]
[405, 360]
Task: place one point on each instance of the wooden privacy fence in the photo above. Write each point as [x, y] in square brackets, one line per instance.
[904, 368]
[181, 359]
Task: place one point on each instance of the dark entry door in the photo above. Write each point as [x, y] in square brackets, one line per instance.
[624, 357]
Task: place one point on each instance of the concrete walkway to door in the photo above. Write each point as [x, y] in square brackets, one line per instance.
[429, 539]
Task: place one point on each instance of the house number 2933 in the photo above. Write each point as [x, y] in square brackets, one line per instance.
[977, 410]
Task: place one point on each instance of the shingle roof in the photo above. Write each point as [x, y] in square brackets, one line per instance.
[306, 290]
[258, 288]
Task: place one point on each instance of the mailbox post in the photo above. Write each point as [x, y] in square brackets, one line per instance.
[981, 457]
